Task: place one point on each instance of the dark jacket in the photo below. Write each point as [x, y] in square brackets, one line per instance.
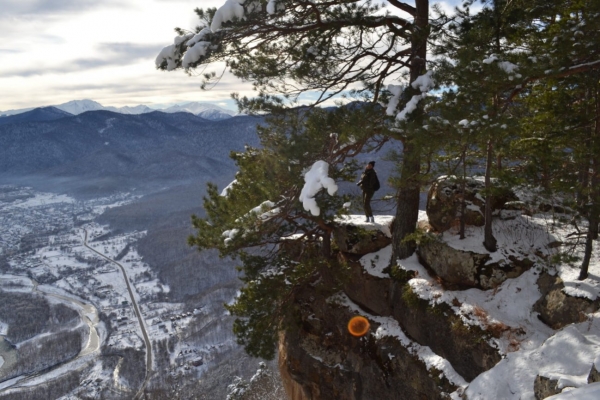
[368, 180]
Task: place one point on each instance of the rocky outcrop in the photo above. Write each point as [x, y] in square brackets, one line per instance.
[436, 327]
[465, 269]
[356, 240]
[545, 387]
[319, 359]
[557, 309]
[325, 362]
[594, 375]
[445, 197]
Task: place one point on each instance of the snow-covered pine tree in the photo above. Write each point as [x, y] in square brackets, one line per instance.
[479, 67]
[289, 47]
[561, 136]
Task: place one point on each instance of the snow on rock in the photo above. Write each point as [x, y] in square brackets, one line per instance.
[588, 392]
[588, 288]
[566, 357]
[375, 263]
[389, 327]
[382, 223]
[315, 179]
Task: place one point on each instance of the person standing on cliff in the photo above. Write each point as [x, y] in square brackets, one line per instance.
[369, 183]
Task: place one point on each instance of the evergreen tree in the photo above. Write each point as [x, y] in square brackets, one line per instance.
[478, 61]
[562, 126]
[264, 220]
[289, 47]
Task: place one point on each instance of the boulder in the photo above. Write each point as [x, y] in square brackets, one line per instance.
[594, 375]
[545, 387]
[444, 202]
[357, 240]
[465, 269]
[557, 309]
[454, 267]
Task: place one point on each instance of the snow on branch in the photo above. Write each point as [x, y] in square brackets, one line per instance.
[423, 83]
[505, 66]
[315, 179]
[171, 53]
[225, 191]
[234, 9]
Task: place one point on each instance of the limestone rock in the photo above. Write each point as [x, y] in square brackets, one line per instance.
[444, 200]
[557, 309]
[356, 240]
[454, 267]
[324, 362]
[465, 269]
[545, 387]
[594, 375]
[436, 329]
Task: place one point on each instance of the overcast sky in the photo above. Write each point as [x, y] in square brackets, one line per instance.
[54, 51]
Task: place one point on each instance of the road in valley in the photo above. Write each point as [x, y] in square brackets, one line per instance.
[137, 313]
[88, 314]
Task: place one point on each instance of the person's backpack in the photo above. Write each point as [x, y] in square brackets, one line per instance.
[376, 184]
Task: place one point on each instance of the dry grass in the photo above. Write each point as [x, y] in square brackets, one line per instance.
[499, 329]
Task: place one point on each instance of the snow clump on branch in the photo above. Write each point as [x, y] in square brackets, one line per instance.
[234, 9]
[315, 179]
[423, 83]
[171, 52]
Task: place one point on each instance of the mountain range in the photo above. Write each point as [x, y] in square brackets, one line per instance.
[101, 151]
[76, 107]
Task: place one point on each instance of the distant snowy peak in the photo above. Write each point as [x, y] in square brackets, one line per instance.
[204, 110]
[140, 109]
[76, 107]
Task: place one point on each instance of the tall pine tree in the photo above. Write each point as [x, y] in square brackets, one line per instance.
[289, 47]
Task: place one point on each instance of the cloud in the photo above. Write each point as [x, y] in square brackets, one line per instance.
[111, 54]
[21, 8]
[131, 50]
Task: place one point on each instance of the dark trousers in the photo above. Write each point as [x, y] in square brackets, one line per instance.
[367, 196]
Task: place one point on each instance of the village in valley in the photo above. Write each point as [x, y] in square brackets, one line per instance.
[53, 248]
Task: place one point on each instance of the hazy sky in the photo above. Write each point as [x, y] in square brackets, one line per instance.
[54, 51]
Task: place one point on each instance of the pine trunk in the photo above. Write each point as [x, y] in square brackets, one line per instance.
[407, 208]
[463, 201]
[489, 241]
[594, 207]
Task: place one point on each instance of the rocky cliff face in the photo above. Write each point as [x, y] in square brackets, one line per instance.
[413, 351]
[449, 322]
